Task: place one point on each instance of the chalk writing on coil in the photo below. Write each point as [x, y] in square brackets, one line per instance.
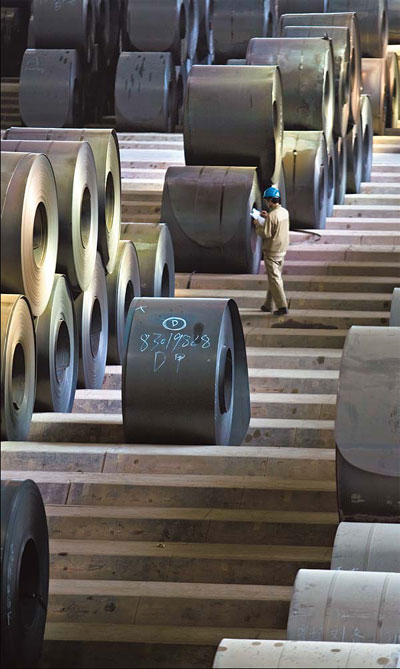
[174, 323]
[173, 342]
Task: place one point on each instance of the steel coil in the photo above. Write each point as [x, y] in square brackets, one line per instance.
[205, 45]
[29, 227]
[367, 429]
[235, 22]
[374, 85]
[367, 137]
[340, 148]
[282, 7]
[251, 134]
[305, 161]
[308, 89]
[92, 316]
[207, 210]
[353, 606]
[373, 21]
[24, 573]
[57, 351]
[392, 90]
[354, 140]
[395, 309]
[75, 176]
[155, 253]
[393, 8]
[171, 342]
[367, 547]
[18, 367]
[123, 285]
[64, 25]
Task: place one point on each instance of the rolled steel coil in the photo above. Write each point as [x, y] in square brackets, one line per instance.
[207, 210]
[92, 315]
[341, 52]
[64, 25]
[308, 88]
[353, 606]
[235, 22]
[367, 547]
[251, 134]
[305, 161]
[50, 88]
[392, 90]
[374, 85]
[394, 320]
[145, 92]
[373, 21]
[123, 285]
[18, 367]
[155, 253]
[282, 7]
[105, 148]
[367, 137]
[171, 342]
[331, 176]
[354, 140]
[57, 349]
[76, 180]
[340, 148]
[24, 573]
[205, 45]
[29, 227]
[393, 8]
[367, 431]
[259, 653]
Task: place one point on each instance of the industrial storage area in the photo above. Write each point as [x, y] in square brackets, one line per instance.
[200, 334]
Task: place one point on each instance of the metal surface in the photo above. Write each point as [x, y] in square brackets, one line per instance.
[305, 161]
[251, 134]
[353, 606]
[340, 149]
[205, 44]
[24, 573]
[262, 654]
[282, 7]
[123, 285]
[207, 210]
[92, 316]
[76, 180]
[367, 547]
[18, 367]
[395, 309]
[64, 25]
[236, 61]
[392, 89]
[57, 349]
[374, 85]
[308, 88]
[393, 8]
[236, 22]
[191, 361]
[367, 137]
[373, 21]
[29, 227]
[354, 147]
[155, 253]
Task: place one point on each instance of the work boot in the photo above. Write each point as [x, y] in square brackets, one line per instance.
[281, 312]
[265, 309]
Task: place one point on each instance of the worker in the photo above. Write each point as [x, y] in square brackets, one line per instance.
[275, 235]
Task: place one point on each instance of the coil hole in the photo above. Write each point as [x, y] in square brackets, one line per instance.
[62, 351]
[18, 377]
[86, 217]
[40, 232]
[96, 325]
[225, 381]
[28, 584]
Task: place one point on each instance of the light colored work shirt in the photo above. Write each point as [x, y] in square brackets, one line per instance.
[275, 232]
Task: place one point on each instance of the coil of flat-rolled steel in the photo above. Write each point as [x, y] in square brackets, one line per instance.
[207, 210]
[171, 343]
[394, 320]
[235, 22]
[29, 227]
[341, 51]
[53, 76]
[205, 44]
[367, 431]
[18, 367]
[392, 90]
[251, 134]
[92, 316]
[367, 137]
[123, 285]
[393, 9]
[308, 88]
[145, 92]
[340, 148]
[305, 161]
[24, 573]
[367, 547]
[155, 253]
[57, 349]
[64, 25]
[373, 21]
[374, 85]
[354, 140]
[260, 653]
[76, 180]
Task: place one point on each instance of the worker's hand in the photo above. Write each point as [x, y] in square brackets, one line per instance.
[264, 214]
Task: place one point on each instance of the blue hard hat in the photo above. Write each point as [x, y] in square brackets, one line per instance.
[272, 192]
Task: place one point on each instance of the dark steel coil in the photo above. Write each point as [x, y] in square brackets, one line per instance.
[392, 89]
[251, 134]
[235, 22]
[205, 44]
[24, 573]
[374, 85]
[354, 147]
[394, 320]
[373, 21]
[367, 547]
[393, 7]
[191, 359]
[367, 429]
[207, 210]
[340, 149]
[367, 137]
[64, 25]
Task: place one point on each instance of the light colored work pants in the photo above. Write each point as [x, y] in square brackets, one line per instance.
[275, 293]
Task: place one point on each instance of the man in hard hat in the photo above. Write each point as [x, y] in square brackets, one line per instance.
[275, 235]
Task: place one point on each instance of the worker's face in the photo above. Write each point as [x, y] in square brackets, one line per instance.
[268, 203]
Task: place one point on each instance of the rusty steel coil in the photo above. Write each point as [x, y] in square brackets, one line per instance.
[235, 22]
[50, 88]
[64, 25]
[251, 134]
[367, 547]
[205, 45]
[24, 573]
[305, 161]
[374, 85]
[354, 146]
[57, 350]
[145, 92]
[123, 285]
[29, 227]
[367, 137]
[392, 89]
[367, 433]
[393, 9]
[171, 342]
[92, 316]
[155, 253]
[308, 88]
[394, 320]
[370, 601]
[373, 21]
[76, 180]
[207, 210]
[340, 148]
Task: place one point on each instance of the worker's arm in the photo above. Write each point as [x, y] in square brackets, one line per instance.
[263, 229]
